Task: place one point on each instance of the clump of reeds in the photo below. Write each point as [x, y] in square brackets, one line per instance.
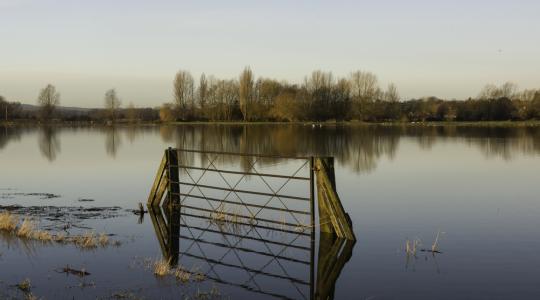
[182, 275]
[411, 246]
[199, 276]
[60, 237]
[43, 236]
[25, 285]
[8, 222]
[87, 240]
[103, 239]
[26, 230]
[162, 268]
[435, 245]
[219, 216]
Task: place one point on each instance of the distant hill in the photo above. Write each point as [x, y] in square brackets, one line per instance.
[63, 109]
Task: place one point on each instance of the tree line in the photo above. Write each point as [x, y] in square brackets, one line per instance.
[320, 97]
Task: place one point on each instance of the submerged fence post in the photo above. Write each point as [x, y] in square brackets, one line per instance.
[172, 174]
[173, 205]
[332, 217]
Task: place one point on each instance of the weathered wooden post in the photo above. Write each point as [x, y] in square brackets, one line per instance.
[172, 175]
[334, 253]
[173, 204]
[332, 217]
[160, 184]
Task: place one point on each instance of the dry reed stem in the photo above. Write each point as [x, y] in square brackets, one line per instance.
[27, 230]
[8, 222]
[161, 268]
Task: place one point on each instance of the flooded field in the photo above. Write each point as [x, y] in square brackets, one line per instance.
[470, 193]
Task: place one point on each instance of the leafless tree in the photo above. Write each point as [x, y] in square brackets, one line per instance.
[491, 91]
[48, 100]
[183, 93]
[391, 94]
[364, 86]
[246, 92]
[112, 104]
[203, 93]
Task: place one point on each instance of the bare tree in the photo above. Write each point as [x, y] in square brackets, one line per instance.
[246, 92]
[391, 94]
[491, 91]
[183, 92]
[203, 93]
[364, 86]
[508, 90]
[48, 100]
[112, 104]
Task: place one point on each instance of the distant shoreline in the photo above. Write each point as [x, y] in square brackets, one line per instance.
[531, 123]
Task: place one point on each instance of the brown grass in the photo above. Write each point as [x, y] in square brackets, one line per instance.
[103, 239]
[162, 268]
[27, 230]
[8, 222]
[87, 240]
[182, 275]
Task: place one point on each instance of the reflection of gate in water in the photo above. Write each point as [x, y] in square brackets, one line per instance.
[248, 225]
[281, 266]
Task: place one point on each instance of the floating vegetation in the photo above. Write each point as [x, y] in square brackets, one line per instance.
[78, 273]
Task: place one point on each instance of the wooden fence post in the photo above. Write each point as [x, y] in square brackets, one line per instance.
[172, 174]
[332, 217]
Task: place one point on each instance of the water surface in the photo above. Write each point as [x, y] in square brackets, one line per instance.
[478, 186]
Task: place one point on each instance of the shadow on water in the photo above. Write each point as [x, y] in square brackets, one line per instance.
[263, 264]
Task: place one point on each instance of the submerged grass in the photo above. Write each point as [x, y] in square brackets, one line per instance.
[162, 268]
[9, 224]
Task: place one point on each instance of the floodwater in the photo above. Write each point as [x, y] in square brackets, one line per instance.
[476, 187]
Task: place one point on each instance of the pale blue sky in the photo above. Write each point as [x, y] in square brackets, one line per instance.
[444, 48]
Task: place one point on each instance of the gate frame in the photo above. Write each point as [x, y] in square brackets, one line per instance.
[332, 217]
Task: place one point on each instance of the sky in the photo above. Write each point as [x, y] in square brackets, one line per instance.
[449, 49]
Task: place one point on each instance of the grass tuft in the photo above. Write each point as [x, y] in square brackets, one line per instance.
[161, 268]
[182, 275]
[8, 222]
[26, 230]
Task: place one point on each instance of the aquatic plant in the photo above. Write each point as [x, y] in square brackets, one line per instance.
[26, 230]
[8, 222]
[182, 275]
[411, 246]
[435, 245]
[161, 268]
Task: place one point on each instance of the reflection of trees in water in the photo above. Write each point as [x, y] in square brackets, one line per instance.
[49, 144]
[359, 147]
[112, 141]
[7, 134]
